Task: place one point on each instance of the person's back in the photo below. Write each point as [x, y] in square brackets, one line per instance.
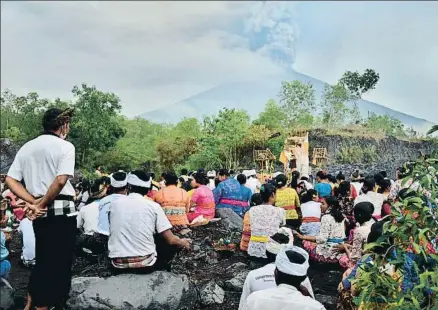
[88, 218]
[175, 203]
[228, 194]
[133, 223]
[375, 198]
[103, 209]
[253, 184]
[323, 189]
[40, 161]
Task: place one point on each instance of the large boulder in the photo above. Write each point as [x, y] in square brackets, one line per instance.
[230, 219]
[236, 283]
[6, 295]
[158, 290]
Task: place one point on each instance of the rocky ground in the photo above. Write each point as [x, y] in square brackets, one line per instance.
[215, 279]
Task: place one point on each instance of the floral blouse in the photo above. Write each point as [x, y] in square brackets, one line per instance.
[330, 230]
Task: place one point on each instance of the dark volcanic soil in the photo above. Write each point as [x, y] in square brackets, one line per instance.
[201, 265]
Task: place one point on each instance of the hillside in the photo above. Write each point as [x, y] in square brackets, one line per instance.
[252, 96]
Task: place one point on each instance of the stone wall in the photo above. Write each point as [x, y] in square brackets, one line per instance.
[389, 152]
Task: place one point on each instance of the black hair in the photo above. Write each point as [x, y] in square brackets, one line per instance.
[331, 178]
[53, 119]
[281, 239]
[308, 195]
[378, 178]
[363, 211]
[266, 191]
[295, 178]
[256, 200]
[368, 184]
[283, 278]
[303, 178]
[139, 189]
[181, 180]
[85, 185]
[184, 171]
[322, 175]
[201, 178]
[224, 172]
[334, 208]
[95, 188]
[187, 186]
[105, 180]
[241, 178]
[343, 189]
[231, 172]
[152, 174]
[171, 178]
[383, 174]
[384, 185]
[377, 230]
[340, 176]
[280, 180]
[216, 182]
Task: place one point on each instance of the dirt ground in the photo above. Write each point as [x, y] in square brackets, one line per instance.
[201, 265]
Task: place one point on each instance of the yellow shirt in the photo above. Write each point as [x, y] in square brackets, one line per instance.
[287, 198]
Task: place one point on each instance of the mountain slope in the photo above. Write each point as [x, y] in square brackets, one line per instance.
[253, 95]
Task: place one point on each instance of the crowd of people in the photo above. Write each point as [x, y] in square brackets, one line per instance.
[139, 222]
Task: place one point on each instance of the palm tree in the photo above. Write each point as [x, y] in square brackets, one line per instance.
[433, 129]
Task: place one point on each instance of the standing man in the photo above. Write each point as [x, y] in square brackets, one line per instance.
[45, 164]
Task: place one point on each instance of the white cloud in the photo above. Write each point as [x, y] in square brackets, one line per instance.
[160, 51]
[397, 39]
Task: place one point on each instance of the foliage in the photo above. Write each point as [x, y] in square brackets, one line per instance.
[433, 129]
[412, 236]
[335, 110]
[386, 124]
[272, 116]
[297, 100]
[356, 154]
[96, 125]
[357, 83]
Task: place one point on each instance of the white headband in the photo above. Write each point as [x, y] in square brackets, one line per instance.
[134, 180]
[284, 265]
[273, 246]
[118, 184]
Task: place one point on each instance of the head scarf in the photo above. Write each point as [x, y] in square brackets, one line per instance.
[284, 265]
[273, 246]
[135, 180]
[118, 184]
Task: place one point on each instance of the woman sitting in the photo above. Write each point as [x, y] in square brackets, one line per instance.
[340, 180]
[323, 247]
[202, 201]
[174, 201]
[363, 212]
[369, 195]
[323, 187]
[311, 210]
[260, 222]
[287, 198]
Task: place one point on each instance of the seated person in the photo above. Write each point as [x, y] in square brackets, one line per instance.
[311, 211]
[246, 192]
[202, 201]
[260, 222]
[322, 186]
[28, 236]
[323, 247]
[140, 233]
[88, 217]
[228, 194]
[264, 278]
[363, 212]
[291, 265]
[5, 265]
[287, 198]
[174, 201]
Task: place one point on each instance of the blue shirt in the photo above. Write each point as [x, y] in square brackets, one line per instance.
[323, 189]
[4, 253]
[104, 208]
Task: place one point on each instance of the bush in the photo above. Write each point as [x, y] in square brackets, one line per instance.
[356, 154]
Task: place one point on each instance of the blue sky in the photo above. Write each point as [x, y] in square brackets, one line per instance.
[156, 53]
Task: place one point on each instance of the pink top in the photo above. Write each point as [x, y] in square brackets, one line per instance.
[204, 199]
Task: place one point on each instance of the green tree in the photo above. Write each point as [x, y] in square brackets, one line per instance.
[335, 110]
[358, 84]
[297, 100]
[273, 117]
[96, 124]
[386, 124]
[433, 129]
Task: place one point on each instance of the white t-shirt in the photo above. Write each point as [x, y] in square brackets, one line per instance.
[282, 297]
[253, 184]
[40, 161]
[311, 209]
[88, 218]
[357, 186]
[26, 229]
[262, 279]
[104, 209]
[134, 220]
[375, 198]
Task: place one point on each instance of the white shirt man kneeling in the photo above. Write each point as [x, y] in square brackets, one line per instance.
[140, 233]
[291, 265]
